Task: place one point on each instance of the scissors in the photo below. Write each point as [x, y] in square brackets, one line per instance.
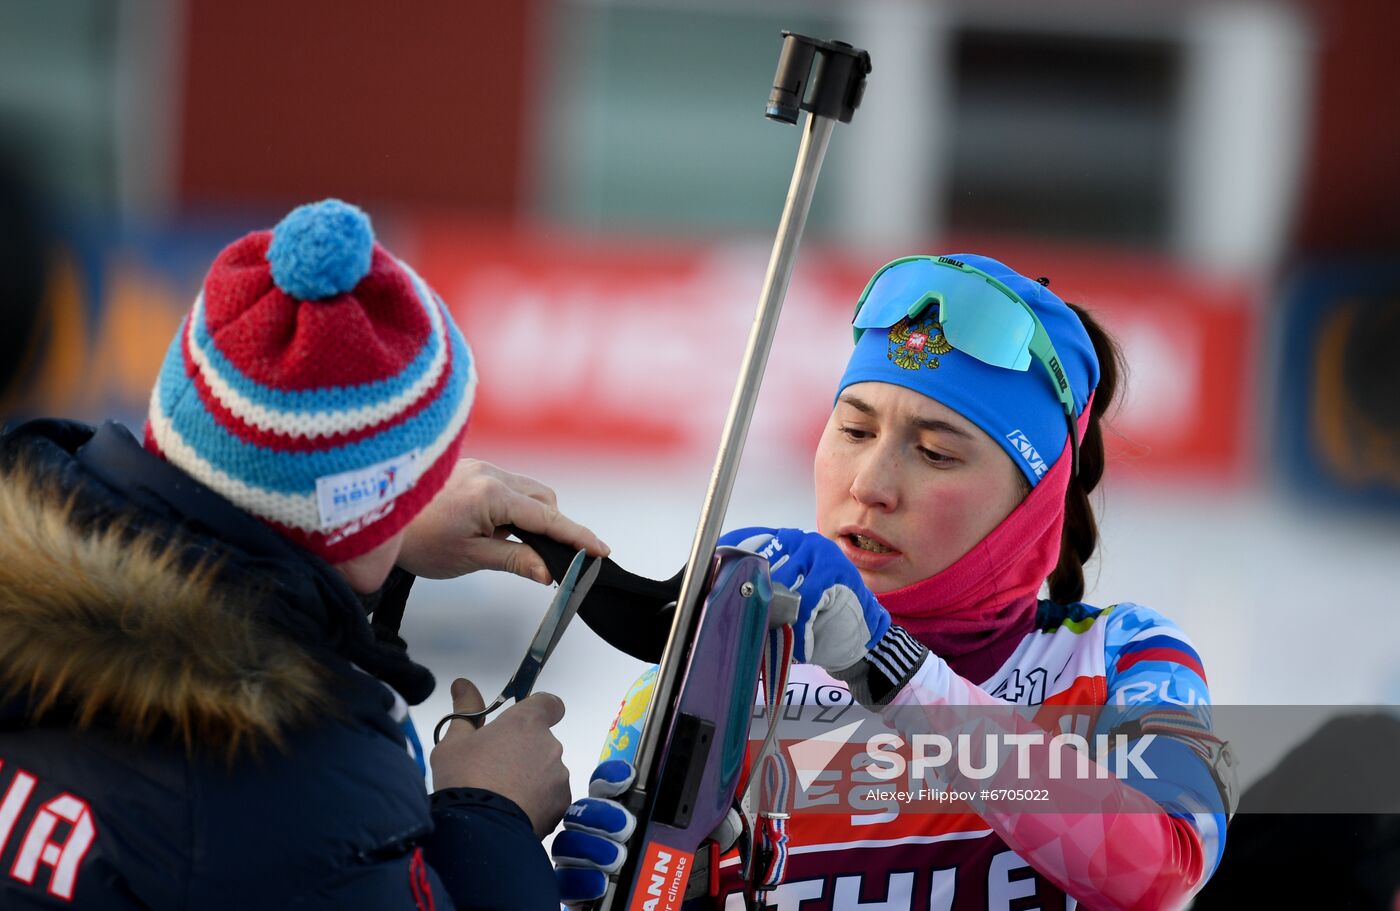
[573, 588]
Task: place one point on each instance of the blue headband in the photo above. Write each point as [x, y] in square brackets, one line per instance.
[1016, 408]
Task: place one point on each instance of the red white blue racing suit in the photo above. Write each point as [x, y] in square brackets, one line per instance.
[1145, 833]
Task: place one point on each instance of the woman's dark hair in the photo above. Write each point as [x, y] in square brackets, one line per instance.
[1081, 532]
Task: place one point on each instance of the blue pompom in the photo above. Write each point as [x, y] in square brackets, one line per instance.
[321, 249]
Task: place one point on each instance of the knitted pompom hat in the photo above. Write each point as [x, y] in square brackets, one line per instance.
[318, 383]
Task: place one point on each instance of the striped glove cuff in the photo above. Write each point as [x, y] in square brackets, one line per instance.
[887, 667]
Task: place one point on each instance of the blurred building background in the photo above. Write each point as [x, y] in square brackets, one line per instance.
[593, 189]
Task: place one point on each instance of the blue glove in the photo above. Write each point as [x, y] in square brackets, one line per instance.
[839, 620]
[595, 829]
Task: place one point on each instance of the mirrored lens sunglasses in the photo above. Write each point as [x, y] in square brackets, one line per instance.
[980, 316]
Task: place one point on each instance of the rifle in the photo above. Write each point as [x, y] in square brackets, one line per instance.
[692, 748]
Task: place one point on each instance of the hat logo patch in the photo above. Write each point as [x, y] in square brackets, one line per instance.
[355, 494]
[915, 345]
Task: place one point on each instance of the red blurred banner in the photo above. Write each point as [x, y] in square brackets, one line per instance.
[632, 346]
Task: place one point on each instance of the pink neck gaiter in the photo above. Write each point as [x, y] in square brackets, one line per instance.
[975, 612]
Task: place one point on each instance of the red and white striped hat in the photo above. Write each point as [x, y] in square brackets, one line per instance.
[318, 383]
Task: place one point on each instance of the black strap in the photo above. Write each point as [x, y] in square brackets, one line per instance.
[386, 606]
[1186, 725]
[631, 613]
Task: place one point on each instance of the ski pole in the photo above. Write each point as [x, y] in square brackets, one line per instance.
[833, 89]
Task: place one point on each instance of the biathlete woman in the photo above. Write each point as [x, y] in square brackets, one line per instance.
[952, 485]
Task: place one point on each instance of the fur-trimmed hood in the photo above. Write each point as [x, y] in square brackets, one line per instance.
[104, 623]
[125, 607]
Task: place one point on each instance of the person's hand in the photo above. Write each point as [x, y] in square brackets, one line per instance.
[460, 532]
[839, 619]
[596, 829]
[513, 755]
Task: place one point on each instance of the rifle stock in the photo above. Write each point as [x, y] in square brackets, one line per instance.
[706, 726]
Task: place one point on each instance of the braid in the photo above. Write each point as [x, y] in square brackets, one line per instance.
[1081, 531]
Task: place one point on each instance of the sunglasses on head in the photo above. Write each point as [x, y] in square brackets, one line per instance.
[980, 316]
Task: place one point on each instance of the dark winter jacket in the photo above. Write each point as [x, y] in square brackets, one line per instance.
[195, 713]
